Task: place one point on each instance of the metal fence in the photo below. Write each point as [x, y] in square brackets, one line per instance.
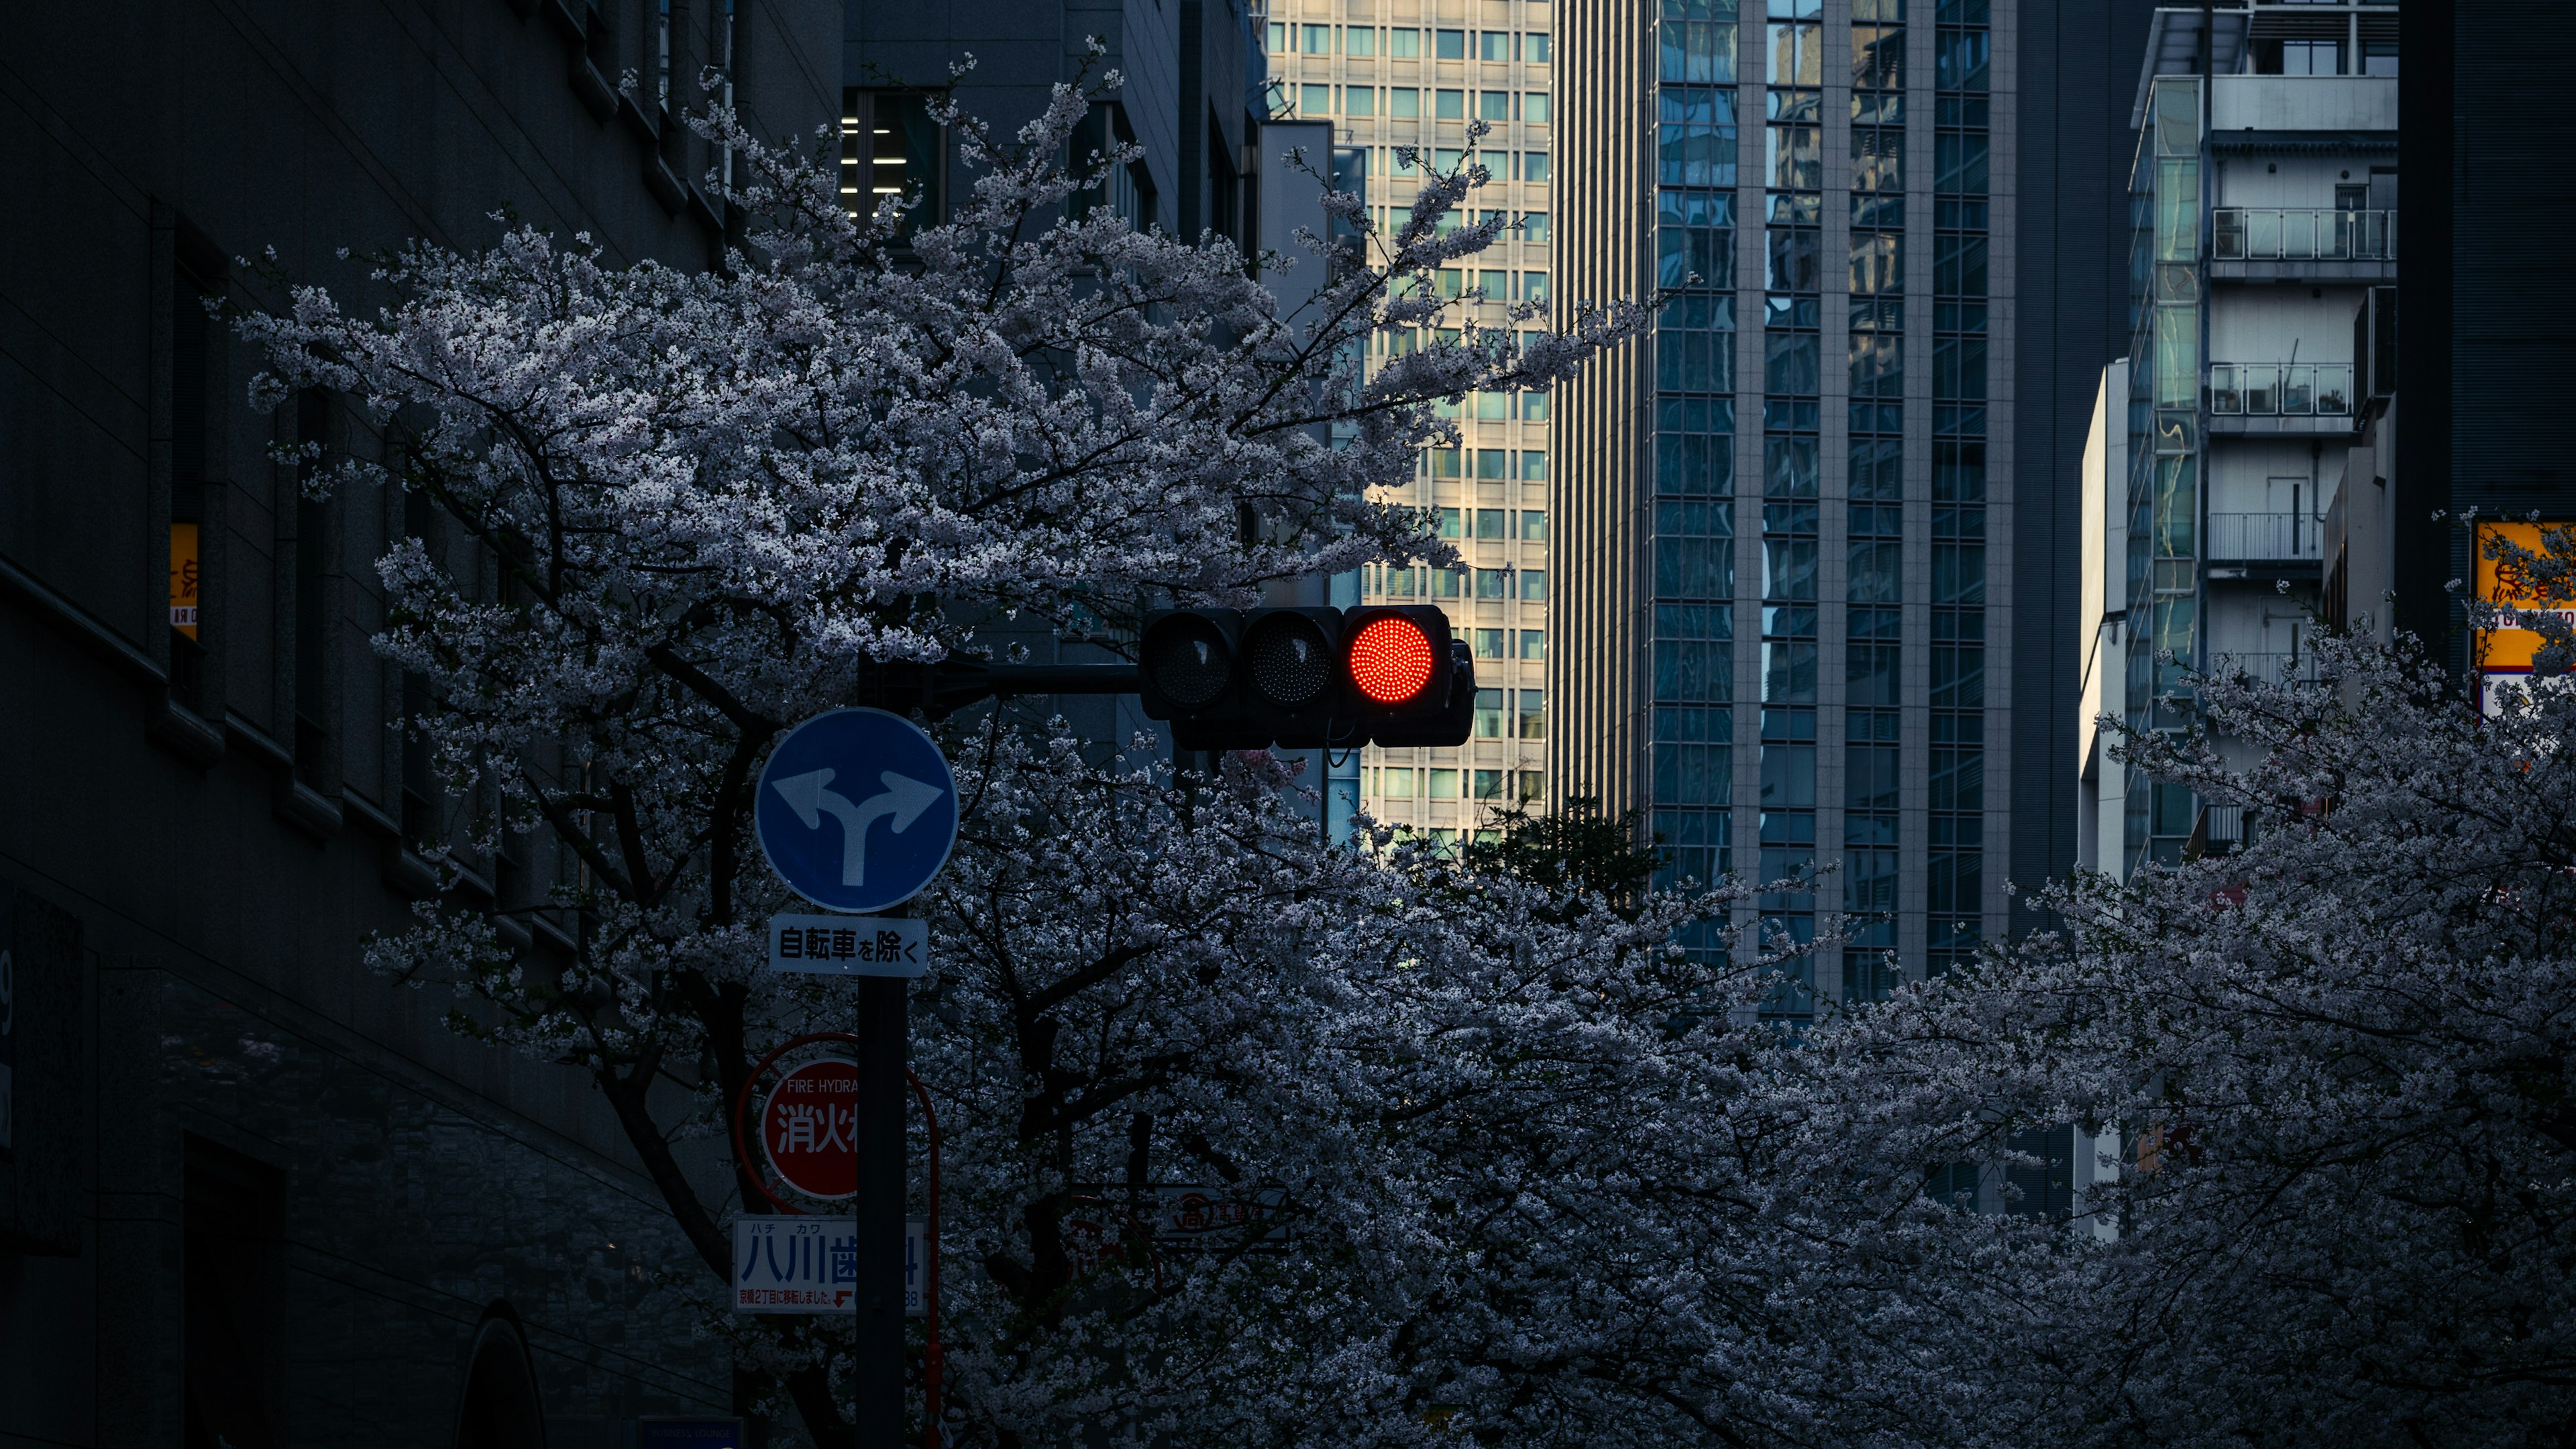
[2280, 389]
[2251, 234]
[2265, 536]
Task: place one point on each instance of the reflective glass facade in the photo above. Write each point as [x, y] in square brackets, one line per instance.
[1809, 500]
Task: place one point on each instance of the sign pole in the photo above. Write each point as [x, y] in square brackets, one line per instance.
[884, 1043]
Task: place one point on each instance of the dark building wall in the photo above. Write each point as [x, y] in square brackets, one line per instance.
[1181, 66]
[2486, 293]
[291, 1177]
[2080, 63]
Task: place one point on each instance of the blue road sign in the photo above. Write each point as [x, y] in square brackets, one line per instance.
[857, 810]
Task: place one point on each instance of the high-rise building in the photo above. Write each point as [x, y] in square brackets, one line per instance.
[250, 1192]
[2263, 270]
[2489, 303]
[1781, 624]
[1391, 74]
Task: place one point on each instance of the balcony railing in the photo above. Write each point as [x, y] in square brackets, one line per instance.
[2269, 668]
[2250, 234]
[2265, 536]
[2280, 389]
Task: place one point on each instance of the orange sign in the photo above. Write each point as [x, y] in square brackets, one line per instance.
[183, 578]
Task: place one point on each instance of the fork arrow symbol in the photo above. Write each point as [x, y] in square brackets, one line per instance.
[904, 798]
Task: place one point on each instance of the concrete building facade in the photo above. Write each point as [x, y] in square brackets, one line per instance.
[250, 1193]
[2264, 274]
[1388, 74]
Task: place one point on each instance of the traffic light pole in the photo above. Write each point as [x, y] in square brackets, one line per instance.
[877, 1212]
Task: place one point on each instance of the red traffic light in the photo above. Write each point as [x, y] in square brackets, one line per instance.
[1390, 659]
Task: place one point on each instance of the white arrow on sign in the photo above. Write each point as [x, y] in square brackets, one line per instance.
[904, 799]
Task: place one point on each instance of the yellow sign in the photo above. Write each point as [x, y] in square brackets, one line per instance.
[2510, 651]
[183, 578]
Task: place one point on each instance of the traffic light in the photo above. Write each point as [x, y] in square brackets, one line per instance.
[1300, 678]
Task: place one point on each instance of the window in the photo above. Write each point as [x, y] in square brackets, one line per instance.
[316, 602]
[1493, 583]
[1533, 583]
[1494, 45]
[1489, 643]
[1533, 721]
[1406, 43]
[1448, 158]
[1534, 47]
[1959, 60]
[1490, 523]
[1449, 106]
[1533, 525]
[1534, 166]
[1449, 523]
[1797, 55]
[1489, 714]
[1450, 44]
[1278, 37]
[1493, 105]
[1534, 108]
[1534, 644]
[1359, 100]
[1489, 784]
[1316, 39]
[1442, 785]
[890, 150]
[1396, 782]
[1878, 58]
[1534, 227]
[1448, 583]
[1533, 286]
[1533, 786]
[1359, 40]
[1404, 103]
[1315, 100]
[1444, 462]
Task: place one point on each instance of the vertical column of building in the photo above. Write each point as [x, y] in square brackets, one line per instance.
[1416, 73]
[1955, 883]
[2164, 447]
[1874, 496]
[1691, 619]
[1792, 207]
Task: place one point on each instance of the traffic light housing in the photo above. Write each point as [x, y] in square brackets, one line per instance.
[1302, 678]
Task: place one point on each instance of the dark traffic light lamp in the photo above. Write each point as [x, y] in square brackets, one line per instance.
[1186, 674]
[1291, 662]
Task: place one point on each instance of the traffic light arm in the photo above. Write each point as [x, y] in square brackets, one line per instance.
[944, 688]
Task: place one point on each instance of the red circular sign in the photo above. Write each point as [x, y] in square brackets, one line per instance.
[808, 1129]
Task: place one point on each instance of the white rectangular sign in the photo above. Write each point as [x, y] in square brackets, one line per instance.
[849, 945]
[811, 1265]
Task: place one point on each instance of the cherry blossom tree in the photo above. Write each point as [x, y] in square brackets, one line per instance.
[2336, 1060]
[704, 506]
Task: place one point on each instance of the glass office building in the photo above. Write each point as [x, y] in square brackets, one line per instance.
[1780, 630]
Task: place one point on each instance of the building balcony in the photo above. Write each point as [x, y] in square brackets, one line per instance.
[2262, 111]
[2268, 668]
[2265, 538]
[2296, 398]
[2253, 244]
